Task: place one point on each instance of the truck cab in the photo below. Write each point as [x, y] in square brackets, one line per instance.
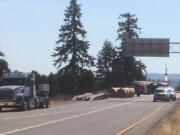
[18, 90]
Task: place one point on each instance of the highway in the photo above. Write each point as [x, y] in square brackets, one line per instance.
[112, 116]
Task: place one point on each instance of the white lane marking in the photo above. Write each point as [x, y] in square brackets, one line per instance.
[142, 99]
[64, 119]
[46, 114]
[54, 113]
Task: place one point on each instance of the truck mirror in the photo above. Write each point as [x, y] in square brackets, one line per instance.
[22, 90]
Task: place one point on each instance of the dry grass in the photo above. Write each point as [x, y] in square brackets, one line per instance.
[60, 99]
[169, 125]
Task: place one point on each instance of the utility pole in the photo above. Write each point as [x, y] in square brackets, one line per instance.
[166, 74]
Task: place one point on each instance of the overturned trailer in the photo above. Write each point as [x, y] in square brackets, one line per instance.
[148, 87]
[145, 87]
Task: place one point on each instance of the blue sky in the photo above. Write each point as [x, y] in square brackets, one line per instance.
[29, 29]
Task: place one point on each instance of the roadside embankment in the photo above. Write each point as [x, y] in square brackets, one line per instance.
[169, 125]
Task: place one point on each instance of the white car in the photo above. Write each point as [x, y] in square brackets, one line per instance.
[161, 93]
[172, 93]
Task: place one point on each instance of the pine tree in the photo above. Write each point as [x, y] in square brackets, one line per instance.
[1, 54]
[87, 82]
[105, 63]
[105, 59]
[128, 24]
[53, 83]
[3, 65]
[133, 70]
[71, 52]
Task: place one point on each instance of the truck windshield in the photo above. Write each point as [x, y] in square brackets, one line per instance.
[14, 81]
[18, 92]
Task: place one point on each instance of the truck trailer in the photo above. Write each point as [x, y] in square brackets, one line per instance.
[18, 90]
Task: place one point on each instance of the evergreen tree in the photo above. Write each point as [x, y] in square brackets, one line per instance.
[105, 62]
[68, 83]
[53, 83]
[128, 23]
[3, 65]
[87, 82]
[105, 59]
[119, 78]
[133, 70]
[71, 52]
[1, 54]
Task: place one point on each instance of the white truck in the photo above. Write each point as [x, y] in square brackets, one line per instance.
[18, 90]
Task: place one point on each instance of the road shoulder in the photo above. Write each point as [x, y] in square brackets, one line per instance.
[170, 124]
[146, 126]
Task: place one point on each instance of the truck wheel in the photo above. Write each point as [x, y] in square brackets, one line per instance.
[0, 109]
[43, 104]
[25, 106]
[37, 105]
[47, 105]
[154, 100]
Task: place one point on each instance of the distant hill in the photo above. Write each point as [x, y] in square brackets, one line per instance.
[173, 78]
[157, 76]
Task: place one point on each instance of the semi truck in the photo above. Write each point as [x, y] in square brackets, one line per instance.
[18, 90]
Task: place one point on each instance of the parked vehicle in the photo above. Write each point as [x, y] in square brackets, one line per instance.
[172, 93]
[161, 93]
[18, 90]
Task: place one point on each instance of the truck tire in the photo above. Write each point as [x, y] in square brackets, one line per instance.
[37, 106]
[43, 104]
[47, 105]
[0, 109]
[25, 106]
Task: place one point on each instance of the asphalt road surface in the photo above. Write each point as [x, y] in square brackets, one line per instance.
[113, 116]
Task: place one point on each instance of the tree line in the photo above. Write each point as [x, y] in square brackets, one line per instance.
[74, 63]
